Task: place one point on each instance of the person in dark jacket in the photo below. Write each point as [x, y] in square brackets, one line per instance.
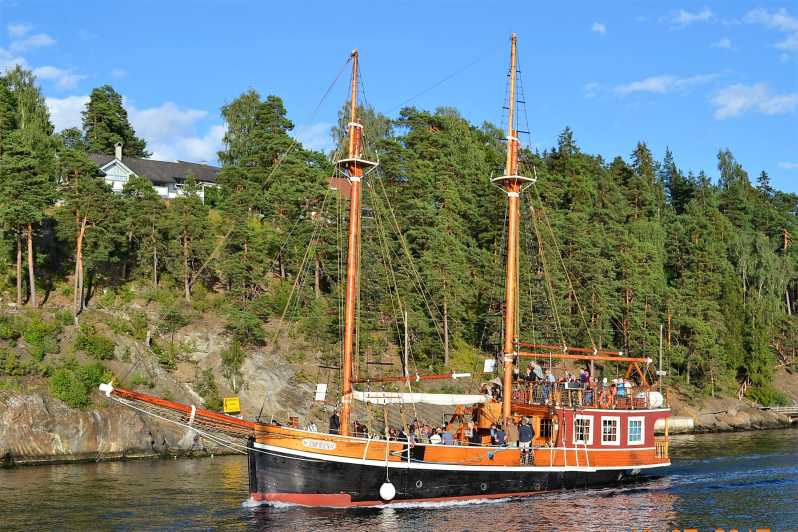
[525, 440]
[335, 423]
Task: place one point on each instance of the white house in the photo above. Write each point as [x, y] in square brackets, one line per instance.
[166, 177]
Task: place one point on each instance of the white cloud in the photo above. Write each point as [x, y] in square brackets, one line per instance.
[8, 60]
[724, 43]
[18, 30]
[33, 41]
[170, 130]
[118, 73]
[778, 20]
[315, 136]
[788, 165]
[63, 79]
[591, 88]
[663, 84]
[65, 112]
[682, 18]
[599, 28]
[190, 148]
[735, 100]
[165, 121]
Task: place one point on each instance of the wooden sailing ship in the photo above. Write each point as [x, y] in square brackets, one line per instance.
[583, 435]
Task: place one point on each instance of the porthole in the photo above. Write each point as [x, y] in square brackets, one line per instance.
[483, 486]
[537, 486]
[419, 483]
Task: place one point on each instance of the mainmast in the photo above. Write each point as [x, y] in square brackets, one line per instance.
[511, 183]
[353, 167]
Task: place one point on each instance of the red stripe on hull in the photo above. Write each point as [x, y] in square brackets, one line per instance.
[343, 500]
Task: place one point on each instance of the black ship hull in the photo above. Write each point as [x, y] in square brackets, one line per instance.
[280, 476]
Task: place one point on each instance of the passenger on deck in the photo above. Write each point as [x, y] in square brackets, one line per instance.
[524, 440]
[500, 438]
[446, 436]
[335, 423]
[435, 438]
[512, 433]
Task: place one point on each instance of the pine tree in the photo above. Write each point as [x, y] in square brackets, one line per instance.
[105, 123]
[26, 190]
[144, 220]
[87, 217]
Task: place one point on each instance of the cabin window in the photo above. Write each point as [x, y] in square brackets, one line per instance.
[583, 429]
[545, 428]
[636, 436]
[610, 434]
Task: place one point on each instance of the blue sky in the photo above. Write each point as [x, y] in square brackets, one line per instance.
[695, 76]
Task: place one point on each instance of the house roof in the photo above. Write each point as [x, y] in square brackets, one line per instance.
[162, 172]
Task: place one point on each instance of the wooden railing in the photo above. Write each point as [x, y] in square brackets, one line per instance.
[661, 447]
[575, 395]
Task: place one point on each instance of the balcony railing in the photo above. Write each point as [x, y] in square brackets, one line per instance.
[662, 447]
[578, 395]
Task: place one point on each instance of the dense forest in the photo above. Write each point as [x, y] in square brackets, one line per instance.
[612, 250]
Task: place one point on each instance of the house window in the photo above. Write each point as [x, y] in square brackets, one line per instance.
[609, 431]
[583, 429]
[545, 428]
[636, 436]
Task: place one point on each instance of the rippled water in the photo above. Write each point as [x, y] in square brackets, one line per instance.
[743, 480]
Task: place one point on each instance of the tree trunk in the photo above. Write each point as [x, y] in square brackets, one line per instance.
[317, 277]
[19, 269]
[154, 266]
[445, 327]
[787, 296]
[78, 301]
[31, 276]
[186, 280]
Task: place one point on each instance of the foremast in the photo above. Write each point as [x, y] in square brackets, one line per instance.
[512, 184]
[354, 167]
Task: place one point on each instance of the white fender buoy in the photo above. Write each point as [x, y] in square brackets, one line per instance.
[387, 491]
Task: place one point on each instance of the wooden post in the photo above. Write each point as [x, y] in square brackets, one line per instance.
[513, 188]
[353, 252]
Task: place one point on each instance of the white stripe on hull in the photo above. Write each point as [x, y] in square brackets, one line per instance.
[445, 467]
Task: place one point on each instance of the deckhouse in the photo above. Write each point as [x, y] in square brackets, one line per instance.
[168, 178]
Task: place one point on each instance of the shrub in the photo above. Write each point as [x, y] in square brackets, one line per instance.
[93, 343]
[9, 328]
[232, 359]
[166, 356]
[65, 385]
[171, 318]
[207, 389]
[767, 395]
[10, 365]
[140, 380]
[73, 383]
[41, 337]
[245, 327]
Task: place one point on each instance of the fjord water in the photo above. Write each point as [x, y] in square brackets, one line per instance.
[742, 480]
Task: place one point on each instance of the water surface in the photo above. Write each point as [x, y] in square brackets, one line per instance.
[742, 480]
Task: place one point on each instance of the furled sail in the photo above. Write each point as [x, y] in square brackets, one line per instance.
[443, 399]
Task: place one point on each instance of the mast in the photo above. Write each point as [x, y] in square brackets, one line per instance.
[354, 167]
[511, 183]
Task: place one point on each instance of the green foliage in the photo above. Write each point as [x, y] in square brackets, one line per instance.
[244, 327]
[141, 380]
[73, 383]
[10, 328]
[105, 123]
[205, 386]
[41, 337]
[93, 343]
[232, 359]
